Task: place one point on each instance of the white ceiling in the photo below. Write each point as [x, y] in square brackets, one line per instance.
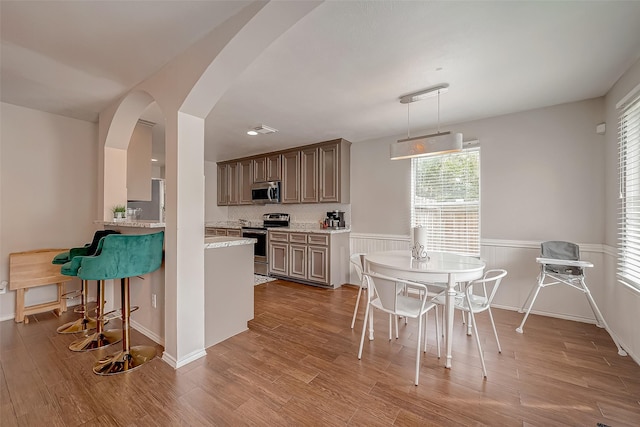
[337, 73]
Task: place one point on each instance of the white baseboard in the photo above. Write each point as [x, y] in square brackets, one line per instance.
[146, 332]
[175, 364]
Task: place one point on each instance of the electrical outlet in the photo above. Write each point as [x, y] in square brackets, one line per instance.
[154, 301]
[3, 287]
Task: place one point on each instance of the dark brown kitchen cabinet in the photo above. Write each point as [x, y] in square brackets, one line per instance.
[309, 175]
[274, 167]
[245, 175]
[260, 169]
[316, 173]
[291, 177]
[223, 185]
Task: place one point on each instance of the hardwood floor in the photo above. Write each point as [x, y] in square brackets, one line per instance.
[297, 365]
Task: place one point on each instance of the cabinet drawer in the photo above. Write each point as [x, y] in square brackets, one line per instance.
[209, 231]
[220, 231]
[278, 236]
[318, 239]
[234, 233]
[297, 238]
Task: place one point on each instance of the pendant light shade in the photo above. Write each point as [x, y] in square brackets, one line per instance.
[426, 145]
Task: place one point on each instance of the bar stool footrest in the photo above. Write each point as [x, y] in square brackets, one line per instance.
[97, 340]
[80, 325]
[124, 361]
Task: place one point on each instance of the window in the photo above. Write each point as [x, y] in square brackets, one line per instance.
[629, 174]
[445, 198]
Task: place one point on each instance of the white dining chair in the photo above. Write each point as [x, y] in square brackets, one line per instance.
[476, 302]
[357, 260]
[384, 294]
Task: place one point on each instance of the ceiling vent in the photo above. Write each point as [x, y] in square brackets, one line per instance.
[262, 129]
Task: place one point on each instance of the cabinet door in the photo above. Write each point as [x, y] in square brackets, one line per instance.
[245, 176]
[234, 183]
[274, 167]
[329, 173]
[298, 261]
[309, 174]
[291, 177]
[223, 185]
[260, 169]
[278, 257]
[318, 266]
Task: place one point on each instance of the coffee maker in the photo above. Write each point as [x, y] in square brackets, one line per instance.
[335, 219]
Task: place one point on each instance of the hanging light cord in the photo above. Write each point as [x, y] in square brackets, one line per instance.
[408, 130]
[438, 110]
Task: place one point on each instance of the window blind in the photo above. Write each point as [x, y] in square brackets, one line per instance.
[445, 198]
[629, 180]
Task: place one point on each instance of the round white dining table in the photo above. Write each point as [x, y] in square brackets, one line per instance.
[441, 267]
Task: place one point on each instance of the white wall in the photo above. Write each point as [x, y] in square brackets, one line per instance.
[541, 177]
[48, 187]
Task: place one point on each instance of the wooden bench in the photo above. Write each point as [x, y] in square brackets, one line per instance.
[33, 268]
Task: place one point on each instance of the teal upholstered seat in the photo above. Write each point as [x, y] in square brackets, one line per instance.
[119, 256]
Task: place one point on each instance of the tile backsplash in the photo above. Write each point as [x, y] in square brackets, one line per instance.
[300, 213]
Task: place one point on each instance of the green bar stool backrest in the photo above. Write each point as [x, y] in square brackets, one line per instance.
[88, 249]
[123, 255]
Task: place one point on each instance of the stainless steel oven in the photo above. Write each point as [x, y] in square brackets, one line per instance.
[260, 250]
[260, 260]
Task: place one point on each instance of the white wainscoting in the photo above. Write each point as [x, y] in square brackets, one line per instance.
[519, 259]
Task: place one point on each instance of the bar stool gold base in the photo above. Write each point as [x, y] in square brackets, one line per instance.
[80, 325]
[97, 340]
[122, 361]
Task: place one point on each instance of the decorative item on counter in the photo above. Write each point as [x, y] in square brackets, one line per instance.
[119, 212]
[419, 249]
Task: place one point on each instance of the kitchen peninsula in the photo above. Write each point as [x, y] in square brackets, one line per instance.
[229, 283]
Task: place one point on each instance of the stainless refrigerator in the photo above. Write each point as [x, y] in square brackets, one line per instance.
[151, 210]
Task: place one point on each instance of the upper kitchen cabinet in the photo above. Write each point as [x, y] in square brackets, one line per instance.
[334, 172]
[291, 177]
[309, 175]
[267, 168]
[223, 185]
[316, 173]
[325, 176]
[260, 169]
[274, 167]
[139, 162]
[245, 179]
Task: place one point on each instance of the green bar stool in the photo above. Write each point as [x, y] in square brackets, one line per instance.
[85, 323]
[122, 256]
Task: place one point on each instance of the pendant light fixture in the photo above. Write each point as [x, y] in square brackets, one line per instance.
[426, 145]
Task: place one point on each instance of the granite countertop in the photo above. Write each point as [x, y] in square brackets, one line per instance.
[225, 242]
[138, 223]
[229, 224]
[305, 228]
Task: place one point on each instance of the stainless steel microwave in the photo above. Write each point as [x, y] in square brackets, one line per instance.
[265, 192]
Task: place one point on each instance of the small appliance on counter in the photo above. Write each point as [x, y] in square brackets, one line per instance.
[334, 219]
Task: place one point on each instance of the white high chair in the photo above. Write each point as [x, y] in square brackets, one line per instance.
[560, 262]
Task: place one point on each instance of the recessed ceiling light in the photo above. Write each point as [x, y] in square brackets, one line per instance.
[154, 160]
[252, 132]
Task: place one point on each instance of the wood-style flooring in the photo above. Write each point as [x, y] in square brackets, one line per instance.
[297, 365]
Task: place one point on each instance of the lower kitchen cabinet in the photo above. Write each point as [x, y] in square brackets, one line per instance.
[279, 258]
[313, 258]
